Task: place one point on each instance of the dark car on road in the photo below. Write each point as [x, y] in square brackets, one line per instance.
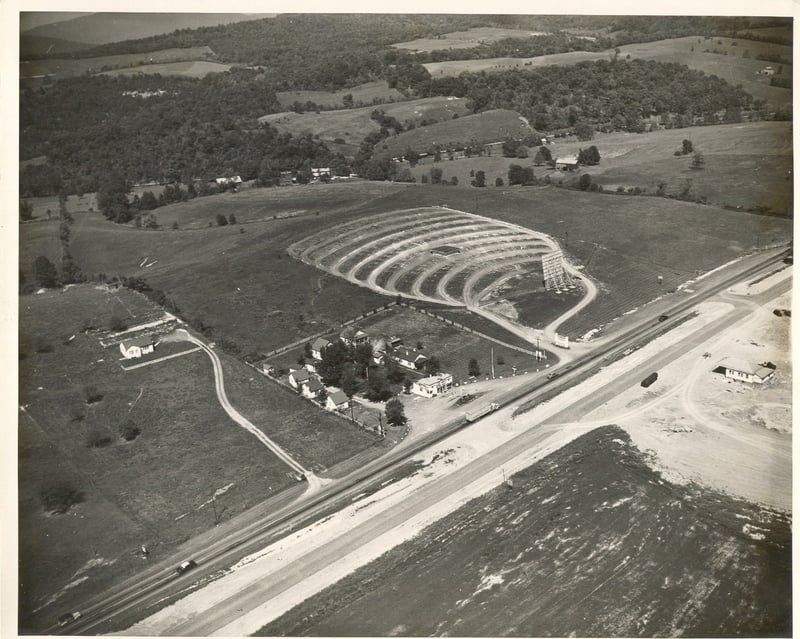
[69, 617]
[186, 566]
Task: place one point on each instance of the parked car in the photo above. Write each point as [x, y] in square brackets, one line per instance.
[186, 566]
[661, 318]
[69, 617]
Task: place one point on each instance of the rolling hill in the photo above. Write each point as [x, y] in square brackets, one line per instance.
[103, 28]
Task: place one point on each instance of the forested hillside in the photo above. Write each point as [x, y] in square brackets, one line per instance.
[149, 127]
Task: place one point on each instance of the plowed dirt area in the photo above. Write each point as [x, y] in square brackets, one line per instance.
[589, 542]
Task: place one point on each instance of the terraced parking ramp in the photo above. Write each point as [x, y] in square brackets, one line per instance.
[431, 254]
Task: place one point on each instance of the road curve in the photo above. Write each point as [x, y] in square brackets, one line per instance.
[314, 482]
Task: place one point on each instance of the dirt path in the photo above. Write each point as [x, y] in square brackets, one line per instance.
[314, 482]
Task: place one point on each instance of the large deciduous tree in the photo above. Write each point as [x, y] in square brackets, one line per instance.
[44, 272]
[395, 413]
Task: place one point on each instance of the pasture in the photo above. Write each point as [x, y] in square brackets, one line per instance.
[79, 66]
[376, 92]
[152, 489]
[736, 64]
[746, 165]
[186, 68]
[481, 128]
[264, 299]
[468, 39]
[352, 125]
[591, 542]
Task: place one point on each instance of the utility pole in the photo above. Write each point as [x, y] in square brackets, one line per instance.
[492, 362]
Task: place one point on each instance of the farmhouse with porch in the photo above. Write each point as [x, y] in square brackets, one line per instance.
[743, 371]
[337, 401]
[353, 336]
[433, 386]
[137, 346]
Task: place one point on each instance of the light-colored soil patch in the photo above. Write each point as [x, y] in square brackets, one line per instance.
[726, 434]
[466, 39]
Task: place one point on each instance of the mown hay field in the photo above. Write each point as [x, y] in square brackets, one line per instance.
[590, 542]
[481, 128]
[352, 125]
[465, 39]
[186, 68]
[363, 94]
[73, 67]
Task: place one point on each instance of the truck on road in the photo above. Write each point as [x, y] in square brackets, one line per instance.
[652, 377]
[471, 417]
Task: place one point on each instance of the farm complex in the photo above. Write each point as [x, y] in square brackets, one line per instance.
[403, 325]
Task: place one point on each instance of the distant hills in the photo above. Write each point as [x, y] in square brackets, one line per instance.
[84, 31]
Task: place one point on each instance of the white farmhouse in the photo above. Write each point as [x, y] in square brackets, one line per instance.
[136, 347]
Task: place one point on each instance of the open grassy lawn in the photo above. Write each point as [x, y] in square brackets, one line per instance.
[363, 94]
[150, 490]
[590, 542]
[316, 438]
[353, 125]
[746, 165]
[74, 67]
[247, 287]
[481, 128]
[735, 63]
[187, 68]
[465, 39]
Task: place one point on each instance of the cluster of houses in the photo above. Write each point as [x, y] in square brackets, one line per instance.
[307, 383]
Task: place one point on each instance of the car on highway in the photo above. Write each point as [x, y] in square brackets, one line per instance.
[186, 566]
[552, 375]
[661, 318]
[68, 617]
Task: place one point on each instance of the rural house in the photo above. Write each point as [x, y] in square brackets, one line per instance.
[138, 346]
[224, 181]
[319, 345]
[299, 378]
[337, 400]
[319, 172]
[567, 163]
[313, 388]
[433, 386]
[743, 371]
[409, 358]
[353, 337]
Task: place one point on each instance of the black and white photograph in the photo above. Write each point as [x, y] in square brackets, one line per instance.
[399, 321]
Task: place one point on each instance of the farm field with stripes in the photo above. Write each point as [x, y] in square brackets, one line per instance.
[431, 254]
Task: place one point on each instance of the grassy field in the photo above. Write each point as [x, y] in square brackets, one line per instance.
[591, 542]
[465, 39]
[363, 94]
[735, 63]
[149, 490]
[265, 299]
[187, 68]
[746, 165]
[352, 125]
[481, 128]
[79, 66]
[316, 438]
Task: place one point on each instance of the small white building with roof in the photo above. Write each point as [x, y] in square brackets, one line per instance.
[135, 347]
[433, 385]
[742, 370]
